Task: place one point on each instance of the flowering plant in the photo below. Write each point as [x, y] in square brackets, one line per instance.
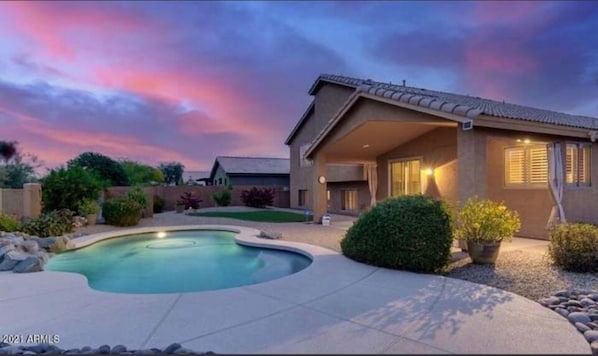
[486, 221]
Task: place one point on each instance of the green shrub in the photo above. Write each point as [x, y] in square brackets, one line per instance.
[574, 247]
[88, 207]
[67, 188]
[222, 197]
[136, 193]
[122, 211]
[8, 223]
[54, 223]
[486, 221]
[159, 204]
[411, 232]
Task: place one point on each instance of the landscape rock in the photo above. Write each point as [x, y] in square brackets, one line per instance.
[591, 335]
[118, 349]
[5, 249]
[30, 246]
[582, 327]
[44, 242]
[270, 235]
[576, 317]
[104, 349]
[62, 243]
[594, 347]
[172, 348]
[30, 264]
[11, 259]
[550, 301]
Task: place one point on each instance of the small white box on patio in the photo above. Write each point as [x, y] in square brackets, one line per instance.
[326, 220]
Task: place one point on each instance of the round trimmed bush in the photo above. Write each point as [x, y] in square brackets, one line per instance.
[122, 211]
[574, 247]
[8, 223]
[411, 233]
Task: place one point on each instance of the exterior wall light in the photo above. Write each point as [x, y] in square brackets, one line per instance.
[429, 171]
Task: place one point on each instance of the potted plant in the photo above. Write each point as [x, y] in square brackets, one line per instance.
[89, 209]
[483, 225]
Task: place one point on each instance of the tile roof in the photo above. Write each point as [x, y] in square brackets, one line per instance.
[254, 165]
[462, 105]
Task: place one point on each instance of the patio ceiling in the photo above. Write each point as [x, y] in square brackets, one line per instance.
[373, 138]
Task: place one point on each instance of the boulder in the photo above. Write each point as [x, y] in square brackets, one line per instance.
[30, 264]
[62, 243]
[11, 259]
[30, 246]
[5, 249]
[45, 242]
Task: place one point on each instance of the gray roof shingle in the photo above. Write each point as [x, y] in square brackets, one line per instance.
[254, 165]
[461, 105]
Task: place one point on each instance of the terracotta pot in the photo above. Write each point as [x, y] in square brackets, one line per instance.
[91, 219]
[483, 252]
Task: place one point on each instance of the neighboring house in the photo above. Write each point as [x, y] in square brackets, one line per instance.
[393, 140]
[196, 177]
[250, 171]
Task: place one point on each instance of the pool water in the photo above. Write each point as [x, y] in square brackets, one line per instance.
[176, 261]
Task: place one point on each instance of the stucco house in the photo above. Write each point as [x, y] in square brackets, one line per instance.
[361, 141]
[250, 171]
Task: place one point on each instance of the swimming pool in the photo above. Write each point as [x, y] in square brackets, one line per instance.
[175, 262]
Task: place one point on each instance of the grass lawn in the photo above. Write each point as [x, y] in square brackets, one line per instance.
[264, 216]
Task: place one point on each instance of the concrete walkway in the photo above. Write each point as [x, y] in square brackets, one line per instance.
[335, 305]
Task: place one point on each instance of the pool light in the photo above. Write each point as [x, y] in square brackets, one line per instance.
[161, 235]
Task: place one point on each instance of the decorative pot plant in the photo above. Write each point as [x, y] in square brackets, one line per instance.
[483, 225]
[189, 201]
[89, 209]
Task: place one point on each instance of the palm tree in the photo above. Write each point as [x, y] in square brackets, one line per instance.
[8, 149]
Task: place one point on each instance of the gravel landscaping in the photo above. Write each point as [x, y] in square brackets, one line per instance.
[45, 348]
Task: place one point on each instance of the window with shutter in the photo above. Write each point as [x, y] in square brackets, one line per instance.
[526, 166]
[577, 167]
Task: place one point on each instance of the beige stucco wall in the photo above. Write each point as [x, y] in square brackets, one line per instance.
[438, 150]
[344, 172]
[581, 203]
[533, 205]
[327, 101]
[12, 202]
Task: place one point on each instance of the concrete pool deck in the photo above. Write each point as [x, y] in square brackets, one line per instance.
[335, 305]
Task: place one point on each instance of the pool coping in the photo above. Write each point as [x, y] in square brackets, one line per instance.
[335, 305]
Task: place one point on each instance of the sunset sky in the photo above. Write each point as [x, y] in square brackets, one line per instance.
[187, 81]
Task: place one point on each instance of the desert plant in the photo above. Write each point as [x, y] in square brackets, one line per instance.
[189, 200]
[486, 221]
[8, 222]
[222, 197]
[54, 223]
[88, 207]
[136, 193]
[159, 204]
[410, 232]
[66, 188]
[574, 247]
[122, 211]
[258, 198]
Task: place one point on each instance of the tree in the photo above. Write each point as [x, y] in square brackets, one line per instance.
[69, 187]
[20, 169]
[142, 174]
[106, 168]
[173, 172]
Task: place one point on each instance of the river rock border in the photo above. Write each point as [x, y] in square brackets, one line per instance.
[172, 349]
[580, 307]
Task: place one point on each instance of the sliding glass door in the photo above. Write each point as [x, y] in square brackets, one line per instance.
[405, 177]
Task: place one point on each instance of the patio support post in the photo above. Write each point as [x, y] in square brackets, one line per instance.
[472, 167]
[319, 203]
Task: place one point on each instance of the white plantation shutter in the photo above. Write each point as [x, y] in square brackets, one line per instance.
[538, 165]
[515, 166]
[584, 164]
[526, 166]
[570, 164]
[577, 167]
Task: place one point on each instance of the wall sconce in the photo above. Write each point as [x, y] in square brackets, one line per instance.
[429, 171]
